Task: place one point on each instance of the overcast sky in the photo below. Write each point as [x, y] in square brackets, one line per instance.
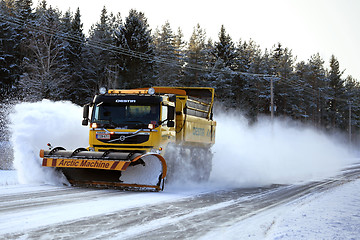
[306, 27]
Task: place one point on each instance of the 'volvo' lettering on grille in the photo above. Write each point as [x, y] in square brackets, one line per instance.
[125, 100]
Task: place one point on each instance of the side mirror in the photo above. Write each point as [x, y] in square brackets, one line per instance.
[171, 124]
[85, 120]
[172, 98]
[171, 113]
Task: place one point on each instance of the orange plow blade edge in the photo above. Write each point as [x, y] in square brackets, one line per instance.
[108, 169]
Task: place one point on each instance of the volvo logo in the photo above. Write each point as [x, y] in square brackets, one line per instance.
[125, 100]
[122, 138]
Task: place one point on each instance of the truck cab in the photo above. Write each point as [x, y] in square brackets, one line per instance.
[125, 120]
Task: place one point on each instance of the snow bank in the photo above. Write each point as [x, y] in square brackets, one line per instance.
[8, 177]
[280, 153]
[334, 214]
[33, 125]
[6, 155]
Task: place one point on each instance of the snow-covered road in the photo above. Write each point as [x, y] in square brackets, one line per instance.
[53, 212]
[271, 180]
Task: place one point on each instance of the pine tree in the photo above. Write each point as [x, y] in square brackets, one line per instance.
[221, 61]
[168, 66]
[137, 62]
[44, 68]
[80, 83]
[224, 49]
[316, 86]
[352, 93]
[196, 58]
[252, 92]
[17, 15]
[23, 17]
[302, 91]
[283, 68]
[9, 63]
[101, 42]
[336, 95]
[180, 45]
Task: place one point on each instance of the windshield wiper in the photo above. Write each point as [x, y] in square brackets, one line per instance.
[134, 121]
[107, 123]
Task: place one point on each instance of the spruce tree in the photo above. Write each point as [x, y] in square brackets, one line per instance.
[101, 42]
[221, 61]
[9, 47]
[352, 94]
[44, 75]
[224, 49]
[316, 85]
[252, 92]
[302, 90]
[196, 58]
[180, 45]
[168, 65]
[336, 100]
[283, 68]
[80, 84]
[137, 44]
[24, 18]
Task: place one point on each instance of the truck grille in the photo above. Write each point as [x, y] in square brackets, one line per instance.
[126, 139]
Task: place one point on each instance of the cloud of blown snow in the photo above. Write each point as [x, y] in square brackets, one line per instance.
[33, 125]
[280, 153]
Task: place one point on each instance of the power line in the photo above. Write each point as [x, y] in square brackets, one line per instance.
[119, 50]
[148, 57]
[114, 49]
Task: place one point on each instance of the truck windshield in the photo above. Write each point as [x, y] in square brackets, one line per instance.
[120, 115]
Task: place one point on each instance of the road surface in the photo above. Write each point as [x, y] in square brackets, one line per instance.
[56, 212]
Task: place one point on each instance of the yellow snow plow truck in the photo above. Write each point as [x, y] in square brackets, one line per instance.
[139, 136]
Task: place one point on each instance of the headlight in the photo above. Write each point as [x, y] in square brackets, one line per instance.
[102, 90]
[151, 91]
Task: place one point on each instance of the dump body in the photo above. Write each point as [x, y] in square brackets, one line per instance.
[134, 129]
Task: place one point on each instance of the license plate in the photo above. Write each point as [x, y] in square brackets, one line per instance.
[102, 136]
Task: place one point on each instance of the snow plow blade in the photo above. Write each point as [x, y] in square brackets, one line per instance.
[126, 170]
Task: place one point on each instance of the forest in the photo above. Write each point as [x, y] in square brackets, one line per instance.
[45, 54]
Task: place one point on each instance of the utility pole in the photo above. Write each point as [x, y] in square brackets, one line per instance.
[272, 99]
[350, 123]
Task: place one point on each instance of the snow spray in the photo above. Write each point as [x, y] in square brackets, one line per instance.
[278, 152]
[33, 125]
[262, 154]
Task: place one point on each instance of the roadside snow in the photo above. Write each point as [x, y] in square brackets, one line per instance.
[8, 177]
[333, 214]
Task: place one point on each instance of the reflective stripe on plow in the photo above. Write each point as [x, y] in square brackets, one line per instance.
[114, 165]
[125, 166]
